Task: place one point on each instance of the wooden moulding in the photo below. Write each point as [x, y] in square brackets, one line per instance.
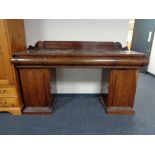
[96, 61]
[76, 45]
[12, 39]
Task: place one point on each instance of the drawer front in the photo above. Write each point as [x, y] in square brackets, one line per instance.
[8, 92]
[4, 82]
[8, 102]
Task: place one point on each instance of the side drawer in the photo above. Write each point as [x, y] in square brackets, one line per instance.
[8, 102]
[4, 82]
[8, 92]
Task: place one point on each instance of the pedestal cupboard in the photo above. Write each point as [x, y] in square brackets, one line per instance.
[12, 39]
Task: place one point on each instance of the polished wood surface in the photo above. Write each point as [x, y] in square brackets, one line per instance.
[80, 58]
[122, 67]
[38, 91]
[12, 39]
[121, 91]
[85, 45]
[5, 67]
[16, 34]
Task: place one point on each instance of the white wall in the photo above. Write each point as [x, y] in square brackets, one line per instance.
[151, 67]
[77, 80]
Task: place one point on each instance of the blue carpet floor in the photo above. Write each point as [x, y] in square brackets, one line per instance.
[81, 114]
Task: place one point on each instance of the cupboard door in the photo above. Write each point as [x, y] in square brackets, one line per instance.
[36, 90]
[122, 87]
[119, 97]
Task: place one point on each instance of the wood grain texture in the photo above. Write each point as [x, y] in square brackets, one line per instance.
[79, 61]
[4, 82]
[5, 65]
[16, 42]
[36, 89]
[8, 91]
[76, 45]
[122, 89]
[12, 39]
[13, 110]
[16, 34]
[8, 102]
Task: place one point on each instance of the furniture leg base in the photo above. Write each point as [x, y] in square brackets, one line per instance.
[40, 110]
[117, 110]
[12, 110]
[37, 110]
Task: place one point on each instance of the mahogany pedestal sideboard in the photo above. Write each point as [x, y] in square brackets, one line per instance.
[36, 69]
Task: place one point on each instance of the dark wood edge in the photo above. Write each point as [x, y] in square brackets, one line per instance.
[41, 111]
[77, 66]
[117, 110]
[78, 61]
[48, 44]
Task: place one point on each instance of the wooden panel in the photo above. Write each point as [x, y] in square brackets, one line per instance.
[121, 93]
[12, 38]
[16, 42]
[38, 87]
[34, 88]
[2, 67]
[5, 63]
[4, 82]
[8, 102]
[77, 45]
[8, 92]
[123, 84]
[16, 34]
[36, 84]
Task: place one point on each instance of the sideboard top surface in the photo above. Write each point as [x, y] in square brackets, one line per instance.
[78, 52]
